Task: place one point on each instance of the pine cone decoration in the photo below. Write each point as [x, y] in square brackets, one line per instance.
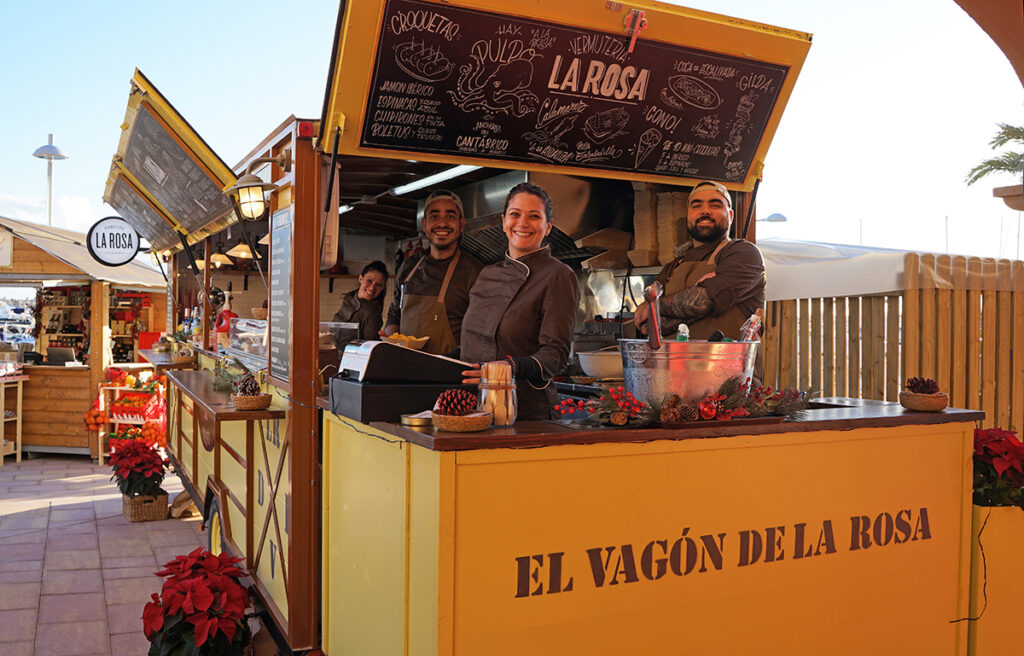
[247, 386]
[618, 418]
[688, 412]
[673, 401]
[671, 415]
[920, 385]
[455, 402]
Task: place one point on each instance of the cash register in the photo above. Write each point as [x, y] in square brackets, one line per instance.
[379, 381]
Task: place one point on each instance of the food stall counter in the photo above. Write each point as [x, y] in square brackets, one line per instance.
[54, 400]
[848, 528]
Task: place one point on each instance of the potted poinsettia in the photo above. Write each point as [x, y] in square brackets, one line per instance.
[201, 608]
[997, 573]
[138, 470]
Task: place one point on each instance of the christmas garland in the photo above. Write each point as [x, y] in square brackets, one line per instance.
[734, 399]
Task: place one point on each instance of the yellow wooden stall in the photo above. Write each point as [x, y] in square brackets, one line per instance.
[845, 533]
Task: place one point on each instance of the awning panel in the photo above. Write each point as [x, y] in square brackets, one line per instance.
[176, 174]
[137, 210]
[1003, 20]
[700, 96]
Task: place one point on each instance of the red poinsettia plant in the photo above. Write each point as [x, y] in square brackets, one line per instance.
[998, 468]
[201, 608]
[138, 467]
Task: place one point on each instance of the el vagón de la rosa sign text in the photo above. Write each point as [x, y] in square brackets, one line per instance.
[686, 553]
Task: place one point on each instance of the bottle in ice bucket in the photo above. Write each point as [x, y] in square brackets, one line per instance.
[749, 331]
[498, 393]
[683, 333]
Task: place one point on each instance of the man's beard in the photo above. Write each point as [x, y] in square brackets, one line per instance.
[715, 234]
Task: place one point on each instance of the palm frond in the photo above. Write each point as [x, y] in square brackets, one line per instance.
[1007, 134]
[1010, 163]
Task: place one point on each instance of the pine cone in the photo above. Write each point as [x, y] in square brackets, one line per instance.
[671, 415]
[247, 386]
[455, 402]
[688, 412]
[618, 418]
[671, 402]
[920, 385]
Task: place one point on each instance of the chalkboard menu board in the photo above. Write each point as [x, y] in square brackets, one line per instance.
[171, 174]
[479, 84]
[280, 293]
[141, 215]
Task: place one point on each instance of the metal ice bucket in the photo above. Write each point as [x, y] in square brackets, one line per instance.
[690, 369]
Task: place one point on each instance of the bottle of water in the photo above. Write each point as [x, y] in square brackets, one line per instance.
[751, 327]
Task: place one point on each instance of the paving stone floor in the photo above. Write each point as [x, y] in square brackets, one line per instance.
[74, 573]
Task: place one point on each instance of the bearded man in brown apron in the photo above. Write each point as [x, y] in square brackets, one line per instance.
[433, 291]
[716, 283]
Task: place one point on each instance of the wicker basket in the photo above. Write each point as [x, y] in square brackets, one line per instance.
[475, 421]
[144, 508]
[259, 313]
[924, 402]
[260, 402]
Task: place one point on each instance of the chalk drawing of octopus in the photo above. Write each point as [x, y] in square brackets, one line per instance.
[497, 79]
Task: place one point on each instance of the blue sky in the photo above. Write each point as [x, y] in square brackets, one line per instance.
[897, 100]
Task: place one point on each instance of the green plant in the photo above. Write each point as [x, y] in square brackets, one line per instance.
[180, 336]
[224, 380]
[1009, 162]
[998, 468]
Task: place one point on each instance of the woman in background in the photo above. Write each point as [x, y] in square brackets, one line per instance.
[365, 304]
[522, 310]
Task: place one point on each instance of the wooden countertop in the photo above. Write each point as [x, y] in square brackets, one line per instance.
[827, 414]
[198, 386]
[163, 359]
[50, 368]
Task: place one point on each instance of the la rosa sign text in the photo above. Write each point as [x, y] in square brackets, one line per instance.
[112, 241]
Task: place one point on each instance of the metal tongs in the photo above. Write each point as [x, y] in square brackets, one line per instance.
[653, 297]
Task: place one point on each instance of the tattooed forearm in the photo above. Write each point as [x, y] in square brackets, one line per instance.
[690, 304]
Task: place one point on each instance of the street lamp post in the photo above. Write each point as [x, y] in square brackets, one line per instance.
[49, 152]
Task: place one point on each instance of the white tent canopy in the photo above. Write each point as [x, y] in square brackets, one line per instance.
[70, 247]
[805, 269]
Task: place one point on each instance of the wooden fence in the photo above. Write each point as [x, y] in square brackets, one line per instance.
[959, 320]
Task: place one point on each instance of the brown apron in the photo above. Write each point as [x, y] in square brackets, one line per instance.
[686, 274]
[424, 316]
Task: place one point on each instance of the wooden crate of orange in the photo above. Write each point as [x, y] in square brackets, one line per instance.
[153, 432]
[95, 419]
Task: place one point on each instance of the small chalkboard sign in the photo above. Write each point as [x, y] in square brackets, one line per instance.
[478, 84]
[172, 175]
[280, 293]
